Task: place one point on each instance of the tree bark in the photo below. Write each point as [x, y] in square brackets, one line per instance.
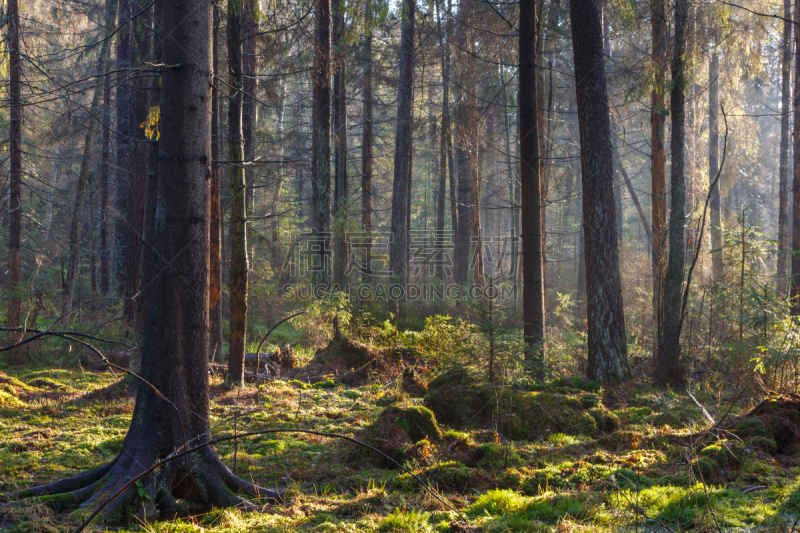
[15, 163]
[530, 187]
[608, 350]
[239, 266]
[83, 179]
[658, 158]
[403, 143]
[321, 143]
[668, 368]
[783, 166]
[713, 165]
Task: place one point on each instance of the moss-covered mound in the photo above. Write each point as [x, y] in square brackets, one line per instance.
[457, 400]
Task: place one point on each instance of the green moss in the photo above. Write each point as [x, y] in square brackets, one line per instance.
[451, 476]
[705, 467]
[8, 401]
[327, 384]
[498, 502]
[749, 427]
[491, 455]
[402, 521]
[579, 383]
[760, 443]
[299, 384]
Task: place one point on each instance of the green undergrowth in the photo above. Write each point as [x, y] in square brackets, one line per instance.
[565, 455]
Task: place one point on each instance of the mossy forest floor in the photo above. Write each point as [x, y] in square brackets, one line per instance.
[563, 456]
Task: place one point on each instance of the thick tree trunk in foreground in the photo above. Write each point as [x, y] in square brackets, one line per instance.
[444, 131]
[713, 166]
[174, 353]
[340, 142]
[658, 159]
[783, 167]
[83, 182]
[15, 163]
[608, 349]
[321, 141]
[239, 260]
[402, 155]
[105, 173]
[530, 177]
[668, 368]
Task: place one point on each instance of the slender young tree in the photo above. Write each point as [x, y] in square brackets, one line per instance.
[339, 139]
[240, 267]
[668, 368]
[402, 155]
[15, 162]
[105, 172]
[530, 187]
[713, 165]
[783, 166]
[321, 143]
[608, 349]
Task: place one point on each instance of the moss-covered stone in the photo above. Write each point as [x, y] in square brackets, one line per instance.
[749, 427]
[723, 452]
[705, 467]
[760, 443]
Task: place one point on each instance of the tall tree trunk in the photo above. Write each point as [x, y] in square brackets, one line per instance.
[215, 232]
[668, 368]
[402, 155]
[783, 167]
[123, 129]
[340, 141]
[83, 179]
[151, 198]
[713, 165]
[248, 32]
[795, 287]
[15, 162]
[441, 183]
[608, 349]
[239, 267]
[137, 161]
[105, 172]
[658, 158]
[533, 315]
[465, 142]
[276, 196]
[366, 138]
[321, 143]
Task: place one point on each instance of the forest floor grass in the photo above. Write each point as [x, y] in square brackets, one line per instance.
[649, 472]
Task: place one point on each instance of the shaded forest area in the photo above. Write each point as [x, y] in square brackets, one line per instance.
[361, 265]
